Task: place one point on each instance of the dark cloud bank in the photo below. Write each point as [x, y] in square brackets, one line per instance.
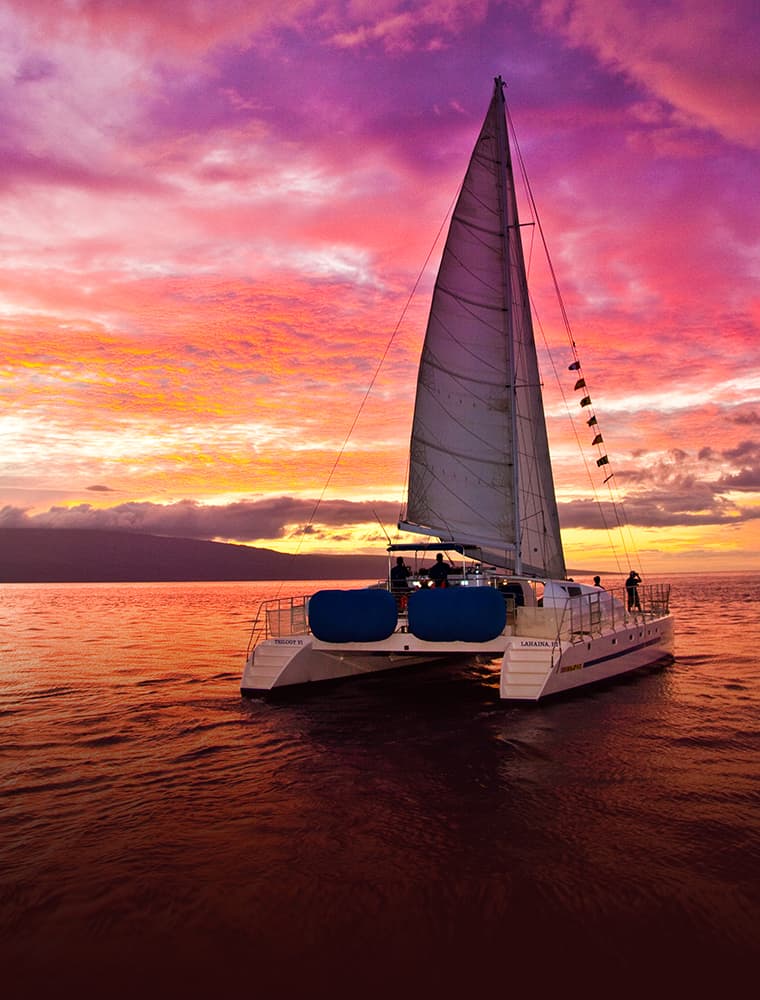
[188, 540]
[243, 521]
[678, 500]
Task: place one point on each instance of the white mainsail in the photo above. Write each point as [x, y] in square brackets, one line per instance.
[480, 470]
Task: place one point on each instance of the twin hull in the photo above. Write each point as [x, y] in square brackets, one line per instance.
[531, 667]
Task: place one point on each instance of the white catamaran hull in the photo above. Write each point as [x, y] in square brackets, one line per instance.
[531, 668]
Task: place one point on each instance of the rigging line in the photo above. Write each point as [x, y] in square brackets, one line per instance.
[382, 526]
[532, 200]
[380, 364]
[615, 503]
[616, 500]
[607, 526]
[376, 373]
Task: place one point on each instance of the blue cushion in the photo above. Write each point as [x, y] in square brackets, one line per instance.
[457, 614]
[352, 615]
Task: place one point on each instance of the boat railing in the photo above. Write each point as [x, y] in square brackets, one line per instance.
[581, 616]
[658, 598]
[280, 617]
[591, 614]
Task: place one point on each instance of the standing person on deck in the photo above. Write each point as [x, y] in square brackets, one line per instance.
[439, 572]
[632, 590]
[399, 582]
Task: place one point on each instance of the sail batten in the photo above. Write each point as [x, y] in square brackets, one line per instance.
[479, 456]
[470, 302]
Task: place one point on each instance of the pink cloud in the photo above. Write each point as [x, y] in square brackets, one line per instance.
[700, 57]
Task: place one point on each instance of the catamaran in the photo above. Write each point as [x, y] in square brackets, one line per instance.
[481, 494]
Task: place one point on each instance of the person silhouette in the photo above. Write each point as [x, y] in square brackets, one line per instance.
[400, 582]
[632, 590]
[439, 572]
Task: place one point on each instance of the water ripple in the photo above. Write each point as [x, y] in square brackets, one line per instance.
[406, 822]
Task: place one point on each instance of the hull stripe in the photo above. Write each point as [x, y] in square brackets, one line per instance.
[625, 652]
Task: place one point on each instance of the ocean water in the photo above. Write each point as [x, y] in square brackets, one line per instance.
[392, 836]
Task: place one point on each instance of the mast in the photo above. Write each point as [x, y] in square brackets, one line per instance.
[509, 233]
[479, 464]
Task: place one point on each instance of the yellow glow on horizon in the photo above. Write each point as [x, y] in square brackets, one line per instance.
[665, 549]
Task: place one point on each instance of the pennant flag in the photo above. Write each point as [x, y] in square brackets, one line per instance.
[591, 422]
[574, 366]
[597, 439]
[580, 384]
[602, 461]
[586, 401]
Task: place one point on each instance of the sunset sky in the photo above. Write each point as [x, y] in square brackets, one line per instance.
[213, 216]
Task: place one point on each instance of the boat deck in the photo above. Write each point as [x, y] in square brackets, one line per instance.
[589, 614]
